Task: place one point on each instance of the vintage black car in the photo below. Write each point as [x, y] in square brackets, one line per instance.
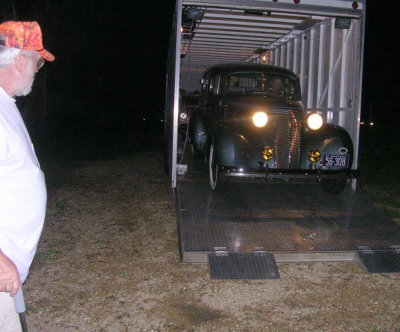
[251, 123]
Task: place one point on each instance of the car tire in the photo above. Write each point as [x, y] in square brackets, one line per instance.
[334, 186]
[217, 179]
[194, 151]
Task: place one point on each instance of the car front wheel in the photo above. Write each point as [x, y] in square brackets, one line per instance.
[217, 180]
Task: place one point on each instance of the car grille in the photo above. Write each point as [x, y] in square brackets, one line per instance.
[287, 140]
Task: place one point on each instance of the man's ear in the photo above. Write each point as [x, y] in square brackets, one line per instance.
[20, 63]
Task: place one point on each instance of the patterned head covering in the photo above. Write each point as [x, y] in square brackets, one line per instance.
[25, 36]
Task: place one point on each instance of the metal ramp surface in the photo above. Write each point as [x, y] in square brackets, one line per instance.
[294, 222]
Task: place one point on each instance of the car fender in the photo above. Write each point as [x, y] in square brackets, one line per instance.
[231, 147]
[330, 139]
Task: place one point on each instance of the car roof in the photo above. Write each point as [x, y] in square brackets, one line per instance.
[235, 67]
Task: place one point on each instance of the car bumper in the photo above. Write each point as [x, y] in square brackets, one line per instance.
[287, 174]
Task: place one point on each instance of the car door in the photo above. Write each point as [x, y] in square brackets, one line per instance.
[214, 102]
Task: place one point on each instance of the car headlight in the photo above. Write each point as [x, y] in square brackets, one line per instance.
[314, 121]
[260, 119]
[183, 116]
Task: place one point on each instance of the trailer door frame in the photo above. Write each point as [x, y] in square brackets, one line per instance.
[328, 9]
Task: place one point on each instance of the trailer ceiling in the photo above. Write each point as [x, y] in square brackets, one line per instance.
[221, 31]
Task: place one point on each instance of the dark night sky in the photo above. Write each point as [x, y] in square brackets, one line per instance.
[113, 53]
[117, 50]
[113, 50]
[381, 65]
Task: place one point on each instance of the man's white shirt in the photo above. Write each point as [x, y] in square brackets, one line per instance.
[22, 189]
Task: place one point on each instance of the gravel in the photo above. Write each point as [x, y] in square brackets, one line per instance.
[108, 260]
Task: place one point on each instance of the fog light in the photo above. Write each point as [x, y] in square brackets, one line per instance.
[314, 156]
[267, 153]
[183, 116]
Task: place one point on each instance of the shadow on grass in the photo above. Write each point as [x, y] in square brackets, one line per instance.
[85, 142]
[68, 146]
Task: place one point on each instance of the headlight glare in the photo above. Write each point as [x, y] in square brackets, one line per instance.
[315, 121]
[260, 119]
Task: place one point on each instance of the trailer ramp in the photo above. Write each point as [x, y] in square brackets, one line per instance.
[292, 222]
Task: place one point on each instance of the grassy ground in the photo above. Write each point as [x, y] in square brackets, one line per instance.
[108, 258]
[380, 171]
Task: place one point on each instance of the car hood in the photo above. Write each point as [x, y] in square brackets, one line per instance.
[260, 101]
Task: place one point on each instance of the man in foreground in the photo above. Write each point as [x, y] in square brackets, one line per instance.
[22, 185]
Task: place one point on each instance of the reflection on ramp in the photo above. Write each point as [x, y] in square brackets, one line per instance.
[295, 222]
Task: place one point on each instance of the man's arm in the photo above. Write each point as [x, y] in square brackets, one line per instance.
[9, 276]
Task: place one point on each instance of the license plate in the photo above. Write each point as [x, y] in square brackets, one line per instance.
[335, 160]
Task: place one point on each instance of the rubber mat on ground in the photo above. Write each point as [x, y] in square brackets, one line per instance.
[380, 261]
[238, 266]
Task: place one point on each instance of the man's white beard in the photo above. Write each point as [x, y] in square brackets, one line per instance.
[23, 91]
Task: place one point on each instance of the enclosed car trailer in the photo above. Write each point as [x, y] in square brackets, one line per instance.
[245, 230]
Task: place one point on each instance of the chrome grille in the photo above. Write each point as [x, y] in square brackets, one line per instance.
[294, 150]
[287, 140]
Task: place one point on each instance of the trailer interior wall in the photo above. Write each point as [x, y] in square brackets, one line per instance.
[301, 37]
[328, 62]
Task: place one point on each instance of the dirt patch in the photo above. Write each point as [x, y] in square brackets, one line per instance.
[108, 260]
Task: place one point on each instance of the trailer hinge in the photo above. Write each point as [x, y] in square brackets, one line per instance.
[396, 248]
[259, 251]
[366, 250]
[221, 251]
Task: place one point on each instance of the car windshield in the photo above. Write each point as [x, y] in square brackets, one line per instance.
[260, 83]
